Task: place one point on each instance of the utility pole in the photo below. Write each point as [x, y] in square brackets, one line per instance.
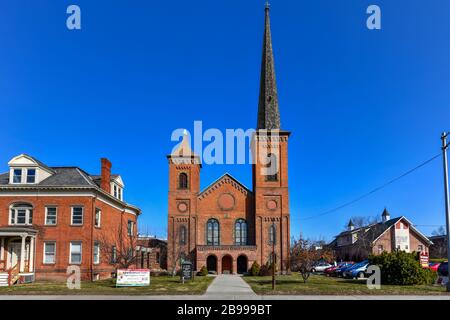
[447, 200]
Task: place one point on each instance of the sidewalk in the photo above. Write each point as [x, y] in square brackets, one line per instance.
[229, 287]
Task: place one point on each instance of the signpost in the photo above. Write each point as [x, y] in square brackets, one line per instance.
[187, 271]
[133, 278]
[424, 259]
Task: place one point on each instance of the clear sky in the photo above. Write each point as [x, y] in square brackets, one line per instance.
[363, 106]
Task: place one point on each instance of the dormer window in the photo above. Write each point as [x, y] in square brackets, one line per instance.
[24, 169]
[117, 191]
[24, 175]
[31, 175]
[17, 176]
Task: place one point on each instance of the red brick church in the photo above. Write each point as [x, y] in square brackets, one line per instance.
[227, 226]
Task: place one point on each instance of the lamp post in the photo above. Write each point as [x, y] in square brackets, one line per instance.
[273, 256]
[447, 200]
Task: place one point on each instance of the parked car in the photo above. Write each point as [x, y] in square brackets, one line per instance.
[433, 266]
[357, 271]
[443, 269]
[340, 271]
[331, 271]
[321, 266]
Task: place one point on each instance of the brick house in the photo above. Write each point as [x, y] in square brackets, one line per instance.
[356, 244]
[152, 253]
[227, 226]
[52, 218]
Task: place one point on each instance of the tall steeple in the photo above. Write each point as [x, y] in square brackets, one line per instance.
[268, 111]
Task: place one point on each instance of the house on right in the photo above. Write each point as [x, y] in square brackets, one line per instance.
[357, 243]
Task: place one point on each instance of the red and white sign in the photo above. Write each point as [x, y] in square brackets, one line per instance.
[424, 259]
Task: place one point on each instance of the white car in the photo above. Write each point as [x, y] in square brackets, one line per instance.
[321, 267]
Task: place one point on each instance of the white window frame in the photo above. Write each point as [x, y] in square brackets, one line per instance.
[115, 190]
[99, 211]
[81, 252]
[54, 253]
[130, 232]
[28, 210]
[96, 252]
[46, 215]
[82, 216]
[35, 175]
[12, 175]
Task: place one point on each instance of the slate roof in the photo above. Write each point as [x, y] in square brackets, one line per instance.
[62, 177]
[268, 110]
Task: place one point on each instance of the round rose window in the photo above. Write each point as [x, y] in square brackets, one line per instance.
[226, 201]
[182, 207]
[272, 205]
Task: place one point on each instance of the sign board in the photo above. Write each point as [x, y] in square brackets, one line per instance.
[424, 259]
[187, 271]
[133, 277]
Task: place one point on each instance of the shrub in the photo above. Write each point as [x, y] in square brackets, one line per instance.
[203, 271]
[266, 270]
[255, 268]
[401, 268]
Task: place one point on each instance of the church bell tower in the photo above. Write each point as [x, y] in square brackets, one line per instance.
[270, 168]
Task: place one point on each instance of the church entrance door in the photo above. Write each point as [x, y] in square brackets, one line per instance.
[211, 263]
[227, 263]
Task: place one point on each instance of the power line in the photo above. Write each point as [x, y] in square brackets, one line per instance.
[374, 190]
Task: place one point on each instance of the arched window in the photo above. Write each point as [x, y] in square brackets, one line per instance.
[240, 232]
[272, 234]
[183, 235]
[212, 233]
[183, 181]
[272, 168]
[21, 214]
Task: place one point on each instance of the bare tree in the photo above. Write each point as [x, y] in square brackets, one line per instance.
[119, 247]
[304, 254]
[439, 231]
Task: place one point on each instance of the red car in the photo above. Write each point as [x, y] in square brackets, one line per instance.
[330, 271]
[434, 266]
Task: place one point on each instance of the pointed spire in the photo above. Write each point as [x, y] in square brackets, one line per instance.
[268, 111]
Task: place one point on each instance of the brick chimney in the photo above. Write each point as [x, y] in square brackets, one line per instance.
[105, 181]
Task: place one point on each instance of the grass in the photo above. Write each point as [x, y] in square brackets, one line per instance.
[163, 285]
[322, 285]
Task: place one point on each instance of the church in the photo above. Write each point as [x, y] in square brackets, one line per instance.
[226, 227]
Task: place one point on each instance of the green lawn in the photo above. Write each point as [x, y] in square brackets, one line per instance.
[158, 286]
[322, 285]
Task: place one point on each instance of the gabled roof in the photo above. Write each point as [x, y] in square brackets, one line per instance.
[224, 177]
[376, 230]
[32, 159]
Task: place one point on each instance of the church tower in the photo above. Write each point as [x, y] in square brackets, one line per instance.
[184, 186]
[270, 168]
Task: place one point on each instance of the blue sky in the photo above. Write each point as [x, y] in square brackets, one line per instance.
[364, 106]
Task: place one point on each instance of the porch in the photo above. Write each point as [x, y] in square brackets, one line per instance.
[17, 255]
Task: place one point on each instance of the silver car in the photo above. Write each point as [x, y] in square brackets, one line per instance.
[321, 267]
